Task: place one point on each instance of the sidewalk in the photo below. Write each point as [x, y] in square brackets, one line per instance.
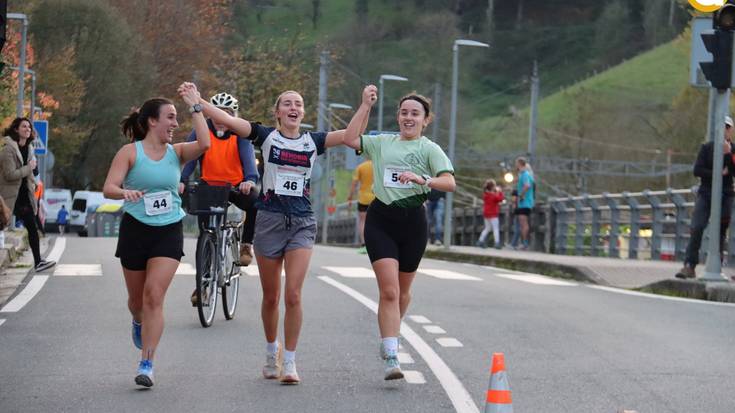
[647, 275]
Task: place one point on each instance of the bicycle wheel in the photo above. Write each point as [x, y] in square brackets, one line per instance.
[206, 282]
[231, 287]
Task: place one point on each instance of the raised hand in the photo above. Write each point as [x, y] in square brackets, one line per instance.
[188, 91]
[369, 95]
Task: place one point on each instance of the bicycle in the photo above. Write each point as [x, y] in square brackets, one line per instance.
[218, 250]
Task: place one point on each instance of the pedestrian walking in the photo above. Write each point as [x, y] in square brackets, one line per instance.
[146, 173]
[435, 215]
[17, 182]
[526, 199]
[285, 229]
[492, 197]
[61, 219]
[406, 166]
[700, 216]
[362, 178]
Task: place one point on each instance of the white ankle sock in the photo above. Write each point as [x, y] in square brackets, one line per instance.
[289, 356]
[391, 345]
[272, 348]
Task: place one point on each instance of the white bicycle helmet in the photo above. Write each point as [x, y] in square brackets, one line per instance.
[224, 100]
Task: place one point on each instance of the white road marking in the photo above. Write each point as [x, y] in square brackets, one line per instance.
[413, 377]
[434, 330]
[30, 291]
[252, 270]
[448, 275]
[458, 395]
[419, 319]
[352, 272]
[75, 270]
[186, 269]
[405, 358]
[536, 279]
[449, 342]
[2, 320]
[57, 250]
[659, 297]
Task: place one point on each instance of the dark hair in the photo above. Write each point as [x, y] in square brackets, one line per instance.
[490, 184]
[521, 160]
[135, 125]
[423, 100]
[12, 130]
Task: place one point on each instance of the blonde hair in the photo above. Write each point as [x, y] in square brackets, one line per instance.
[278, 102]
[490, 184]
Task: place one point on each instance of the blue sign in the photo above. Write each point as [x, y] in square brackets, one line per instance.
[41, 143]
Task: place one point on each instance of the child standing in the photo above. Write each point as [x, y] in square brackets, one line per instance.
[492, 198]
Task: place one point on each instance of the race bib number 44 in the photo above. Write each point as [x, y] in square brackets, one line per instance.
[289, 184]
[390, 177]
[157, 203]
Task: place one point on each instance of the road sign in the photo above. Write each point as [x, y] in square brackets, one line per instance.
[699, 52]
[41, 144]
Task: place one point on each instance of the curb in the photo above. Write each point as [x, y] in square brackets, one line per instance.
[555, 270]
[11, 253]
[723, 292]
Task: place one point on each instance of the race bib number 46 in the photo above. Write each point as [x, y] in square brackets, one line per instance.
[390, 177]
[157, 203]
[289, 184]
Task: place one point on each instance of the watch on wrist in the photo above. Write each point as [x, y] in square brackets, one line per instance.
[427, 179]
[196, 108]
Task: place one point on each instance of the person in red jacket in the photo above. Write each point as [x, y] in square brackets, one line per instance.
[492, 197]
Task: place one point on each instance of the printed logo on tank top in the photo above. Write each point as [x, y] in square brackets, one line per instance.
[290, 157]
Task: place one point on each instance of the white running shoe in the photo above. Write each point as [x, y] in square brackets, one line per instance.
[393, 368]
[272, 368]
[289, 375]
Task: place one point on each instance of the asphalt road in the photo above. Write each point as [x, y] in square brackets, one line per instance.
[568, 347]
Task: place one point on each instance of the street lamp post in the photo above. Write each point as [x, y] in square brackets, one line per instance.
[380, 96]
[453, 131]
[328, 174]
[22, 69]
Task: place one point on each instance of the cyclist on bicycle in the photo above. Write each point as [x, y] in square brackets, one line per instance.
[231, 159]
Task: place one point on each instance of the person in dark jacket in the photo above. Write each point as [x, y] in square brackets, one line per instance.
[700, 217]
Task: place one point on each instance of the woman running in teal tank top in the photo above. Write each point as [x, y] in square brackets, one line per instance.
[146, 173]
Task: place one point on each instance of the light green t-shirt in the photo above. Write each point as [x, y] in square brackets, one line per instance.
[391, 156]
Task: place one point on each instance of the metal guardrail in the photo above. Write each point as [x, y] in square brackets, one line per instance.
[636, 225]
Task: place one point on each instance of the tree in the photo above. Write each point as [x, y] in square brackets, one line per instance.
[612, 33]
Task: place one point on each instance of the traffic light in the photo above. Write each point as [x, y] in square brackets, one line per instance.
[719, 70]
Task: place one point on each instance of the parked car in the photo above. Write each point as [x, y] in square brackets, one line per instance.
[83, 203]
[55, 198]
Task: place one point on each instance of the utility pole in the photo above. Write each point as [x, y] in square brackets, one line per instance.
[321, 126]
[437, 111]
[533, 115]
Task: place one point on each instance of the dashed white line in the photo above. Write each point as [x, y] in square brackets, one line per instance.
[419, 319]
[78, 270]
[458, 395]
[352, 272]
[252, 271]
[413, 377]
[405, 358]
[30, 291]
[2, 320]
[536, 279]
[186, 269]
[434, 330]
[659, 297]
[57, 250]
[448, 275]
[449, 342]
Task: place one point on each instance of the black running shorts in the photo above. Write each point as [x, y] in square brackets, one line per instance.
[139, 242]
[398, 233]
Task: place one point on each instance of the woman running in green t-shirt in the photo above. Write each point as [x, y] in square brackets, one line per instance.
[405, 169]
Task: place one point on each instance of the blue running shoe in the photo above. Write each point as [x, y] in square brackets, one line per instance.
[145, 374]
[137, 335]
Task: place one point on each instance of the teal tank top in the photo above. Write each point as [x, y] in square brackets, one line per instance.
[159, 181]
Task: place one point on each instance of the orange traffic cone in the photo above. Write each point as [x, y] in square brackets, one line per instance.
[498, 393]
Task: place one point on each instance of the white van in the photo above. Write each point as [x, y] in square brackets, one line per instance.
[84, 202]
[55, 198]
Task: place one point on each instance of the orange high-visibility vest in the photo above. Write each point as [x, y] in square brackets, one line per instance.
[221, 162]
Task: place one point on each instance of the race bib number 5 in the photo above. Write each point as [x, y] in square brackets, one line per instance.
[289, 184]
[157, 203]
[390, 177]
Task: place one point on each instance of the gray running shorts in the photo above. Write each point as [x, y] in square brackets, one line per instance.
[273, 236]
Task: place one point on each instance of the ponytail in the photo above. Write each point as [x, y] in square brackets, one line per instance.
[135, 125]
